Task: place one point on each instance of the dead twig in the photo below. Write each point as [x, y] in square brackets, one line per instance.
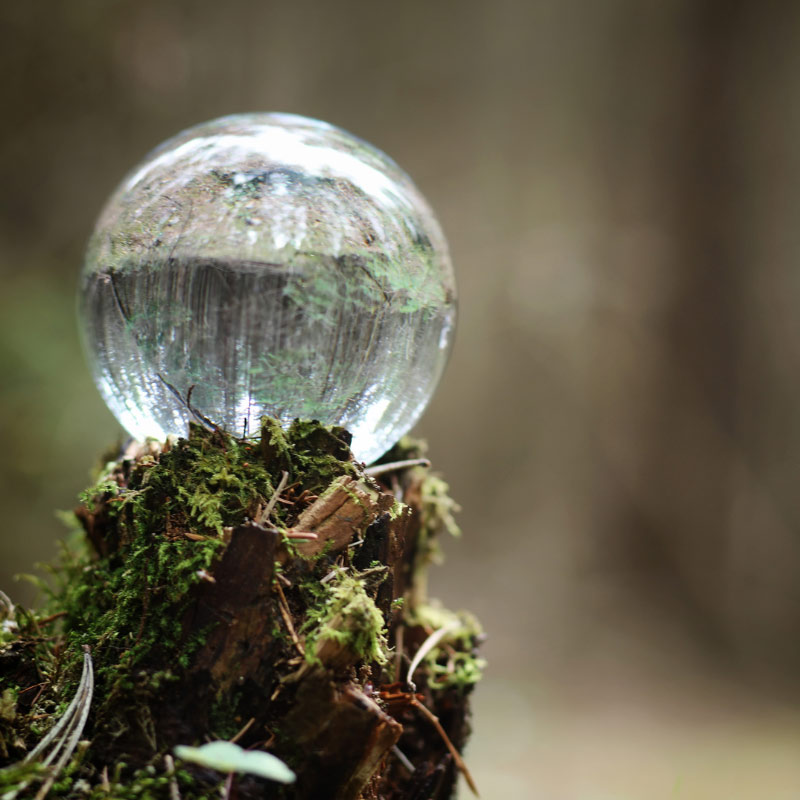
[51, 618]
[263, 517]
[398, 649]
[382, 469]
[228, 791]
[306, 535]
[33, 686]
[244, 730]
[287, 618]
[402, 758]
[434, 720]
[290, 533]
[330, 576]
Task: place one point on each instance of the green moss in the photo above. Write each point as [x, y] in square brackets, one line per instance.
[15, 779]
[319, 454]
[149, 783]
[109, 607]
[198, 486]
[100, 491]
[224, 719]
[8, 704]
[397, 509]
[437, 511]
[167, 516]
[454, 661]
[345, 614]
[208, 480]
[438, 508]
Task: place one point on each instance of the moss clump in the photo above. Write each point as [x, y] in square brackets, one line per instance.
[148, 783]
[345, 615]
[454, 661]
[167, 514]
[211, 481]
[438, 508]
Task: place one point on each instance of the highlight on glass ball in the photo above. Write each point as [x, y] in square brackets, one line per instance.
[268, 264]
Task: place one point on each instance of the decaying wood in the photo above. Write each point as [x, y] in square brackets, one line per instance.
[317, 703]
[233, 606]
[339, 514]
[345, 734]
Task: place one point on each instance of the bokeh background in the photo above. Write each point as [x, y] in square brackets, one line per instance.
[620, 184]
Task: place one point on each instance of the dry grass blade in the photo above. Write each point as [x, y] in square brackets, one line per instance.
[5, 600]
[66, 733]
[174, 791]
[427, 646]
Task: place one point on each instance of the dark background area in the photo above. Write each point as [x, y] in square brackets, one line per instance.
[620, 184]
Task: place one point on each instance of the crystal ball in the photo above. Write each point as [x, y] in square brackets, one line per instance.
[268, 264]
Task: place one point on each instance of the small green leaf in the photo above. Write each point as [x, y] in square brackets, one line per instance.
[229, 757]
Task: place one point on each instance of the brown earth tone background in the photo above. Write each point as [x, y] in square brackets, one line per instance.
[620, 184]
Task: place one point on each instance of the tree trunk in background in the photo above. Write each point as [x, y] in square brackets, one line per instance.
[705, 531]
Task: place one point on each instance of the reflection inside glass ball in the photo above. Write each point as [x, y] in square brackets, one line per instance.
[268, 264]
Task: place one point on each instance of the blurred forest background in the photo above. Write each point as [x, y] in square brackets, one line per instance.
[620, 184]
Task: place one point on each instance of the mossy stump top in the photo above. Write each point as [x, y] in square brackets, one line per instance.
[266, 591]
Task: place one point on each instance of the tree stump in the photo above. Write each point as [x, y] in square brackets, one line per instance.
[266, 591]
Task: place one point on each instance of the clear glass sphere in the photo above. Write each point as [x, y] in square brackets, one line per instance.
[268, 264]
